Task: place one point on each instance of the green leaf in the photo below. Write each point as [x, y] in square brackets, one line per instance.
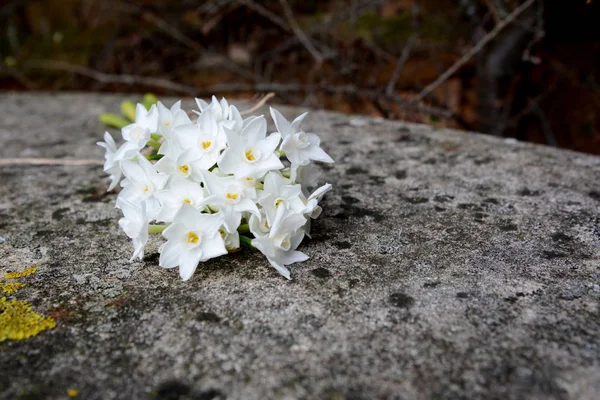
[149, 100]
[128, 110]
[113, 120]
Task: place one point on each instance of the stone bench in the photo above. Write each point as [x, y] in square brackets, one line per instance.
[445, 265]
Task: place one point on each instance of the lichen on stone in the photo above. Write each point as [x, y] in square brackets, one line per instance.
[18, 321]
[9, 288]
[26, 272]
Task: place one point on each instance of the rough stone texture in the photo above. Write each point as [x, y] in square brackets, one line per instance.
[445, 265]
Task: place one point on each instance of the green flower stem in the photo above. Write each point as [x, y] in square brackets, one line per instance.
[246, 242]
[156, 228]
[154, 144]
[243, 228]
[155, 136]
[280, 153]
[154, 157]
[113, 120]
[128, 109]
[286, 174]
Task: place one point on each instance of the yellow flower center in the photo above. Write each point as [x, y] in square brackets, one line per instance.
[187, 201]
[206, 145]
[278, 202]
[167, 123]
[146, 189]
[192, 237]
[249, 155]
[184, 168]
[232, 196]
[222, 232]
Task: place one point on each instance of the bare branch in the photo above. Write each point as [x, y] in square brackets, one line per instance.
[300, 33]
[412, 41]
[474, 50]
[111, 78]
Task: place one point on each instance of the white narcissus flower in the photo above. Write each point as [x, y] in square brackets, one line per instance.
[230, 198]
[168, 119]
[251, 154]
[111, 166]
[284, 237]
[142, 182]
[280, 192]
[191, 238]
[135, 224]
[204, 140]
[179, 192]
[299, 147]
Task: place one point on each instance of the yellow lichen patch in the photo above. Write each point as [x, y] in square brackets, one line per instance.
[9, 288]
[18, 321]
[25, 272]
[72, 392]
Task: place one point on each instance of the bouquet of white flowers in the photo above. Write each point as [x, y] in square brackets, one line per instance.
[216, 184]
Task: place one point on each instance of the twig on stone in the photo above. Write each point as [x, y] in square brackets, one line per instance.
[49, 161]
[258, 105]
[474, 50]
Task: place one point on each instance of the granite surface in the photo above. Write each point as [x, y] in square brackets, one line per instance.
[446, 265]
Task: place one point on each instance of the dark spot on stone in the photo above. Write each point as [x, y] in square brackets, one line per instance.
[172, 390]
[152, 258]
[403, 129]
[479, 215]
[401, 174]
[431, 284]
[520, 294]
[430, 161]
[463, 295]
[356, 170]
[350, 200]
[58, 214]
[594, 195]
[561, 237]
[491, 200]
[377, 180]
[342, 245]
[438, 208]
[345, 142]
[507, 226]
[551, 255]
[511, 299]
[358, 212]
[209, 394]
[444, 198]
[415, 200]
[401, 300]
[321, 272]
[527, 192]
[353, 282]
[470, 206]
[208, 317]
[347, 186]
[482, 161]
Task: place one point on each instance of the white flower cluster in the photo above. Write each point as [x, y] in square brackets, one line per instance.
[215, 184]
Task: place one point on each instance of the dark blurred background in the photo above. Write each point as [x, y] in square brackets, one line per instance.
[526, 69]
